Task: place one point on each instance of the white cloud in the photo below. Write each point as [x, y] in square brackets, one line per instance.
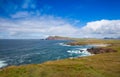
[36, 27]
[21, 14]
[43, 26]
[102, 28]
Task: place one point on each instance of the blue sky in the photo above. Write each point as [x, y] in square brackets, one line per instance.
[74, 18]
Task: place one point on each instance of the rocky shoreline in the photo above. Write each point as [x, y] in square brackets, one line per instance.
[96, 48]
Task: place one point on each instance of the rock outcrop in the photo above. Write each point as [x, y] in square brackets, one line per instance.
[100, 50]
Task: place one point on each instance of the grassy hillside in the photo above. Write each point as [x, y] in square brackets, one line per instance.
[100, 65]
[93, 41]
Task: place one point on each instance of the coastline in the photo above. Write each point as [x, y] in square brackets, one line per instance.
[94, 66]
[85, 52]
[95, 49]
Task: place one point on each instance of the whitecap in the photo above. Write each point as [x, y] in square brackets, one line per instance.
[63, 44]
[2, 64]
[80, 52]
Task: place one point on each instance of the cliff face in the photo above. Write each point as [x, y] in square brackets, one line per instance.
[57, 38]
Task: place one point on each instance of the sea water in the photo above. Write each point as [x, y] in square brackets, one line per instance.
[21, 52]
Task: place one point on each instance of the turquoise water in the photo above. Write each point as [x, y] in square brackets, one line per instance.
[20, 52]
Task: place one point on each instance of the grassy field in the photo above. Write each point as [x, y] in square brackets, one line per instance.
[100, 65]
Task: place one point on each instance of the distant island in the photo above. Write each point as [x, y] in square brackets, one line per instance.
[112, 38]
[58, 38]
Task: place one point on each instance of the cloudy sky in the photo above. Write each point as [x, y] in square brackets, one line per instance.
[34, 19]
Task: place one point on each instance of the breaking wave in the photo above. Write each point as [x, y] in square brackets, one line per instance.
[2, 64]
[63, 44]
[80, 52]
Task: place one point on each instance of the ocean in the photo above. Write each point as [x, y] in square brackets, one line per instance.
[22, 52]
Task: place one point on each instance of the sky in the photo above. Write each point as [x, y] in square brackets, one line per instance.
[35, 19]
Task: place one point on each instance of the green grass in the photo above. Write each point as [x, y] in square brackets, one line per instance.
[100, 65]
[93, 41]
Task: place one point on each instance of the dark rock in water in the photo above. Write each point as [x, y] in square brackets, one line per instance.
[100, 50]
[81, 50]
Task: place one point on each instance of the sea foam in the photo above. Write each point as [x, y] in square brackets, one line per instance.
[2, 64]
[63, 44]
[80, 52]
